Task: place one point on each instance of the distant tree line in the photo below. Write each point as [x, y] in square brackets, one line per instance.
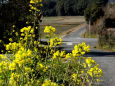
[64, 7]
[91, 8]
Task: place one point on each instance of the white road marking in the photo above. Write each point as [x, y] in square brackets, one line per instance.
[69, 43]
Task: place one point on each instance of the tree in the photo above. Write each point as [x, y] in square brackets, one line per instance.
[60, 8]
[49, 8]
[95, 10]
[12, 13]
[65, 7]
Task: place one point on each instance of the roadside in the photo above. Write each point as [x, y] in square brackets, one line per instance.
[61, 23]
[106, 59]
[74, 29]
[105, 47]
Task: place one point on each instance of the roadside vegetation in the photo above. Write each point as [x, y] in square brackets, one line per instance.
[100, 17]
[25, 61]
[29, 63]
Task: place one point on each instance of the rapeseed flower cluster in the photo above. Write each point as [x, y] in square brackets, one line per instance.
[89, 61]
[49, 29]
[55, 41]
[4, 66]
[14, 79]
[27, 35]
[49, 83]
[68, 55]
[35, 5]
[34, 8]
[26, 29]
[13, 46]
[30, 66]
[35, 1]
[10, 39]
[80, 49]
[58, 54]
[22, 57]
[31, 63]
[74, 76]
[95, 71]
[42, 67]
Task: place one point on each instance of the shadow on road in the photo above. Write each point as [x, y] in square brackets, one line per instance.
[94, 53]
[98, 53]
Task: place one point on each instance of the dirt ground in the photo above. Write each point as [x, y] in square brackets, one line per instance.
[63, 20]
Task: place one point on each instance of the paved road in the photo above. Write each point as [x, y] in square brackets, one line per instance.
[105, 59]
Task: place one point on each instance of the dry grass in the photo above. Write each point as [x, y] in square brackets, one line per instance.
[62, 23]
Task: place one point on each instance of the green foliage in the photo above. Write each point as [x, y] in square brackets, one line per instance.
[12, 13]
[16, 14]
[95, 10]
[49, 8]
[68, 7]
[35, 64]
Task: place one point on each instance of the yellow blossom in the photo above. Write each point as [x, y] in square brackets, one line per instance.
[13, 26]
[2, 56]
[56, 54]
[4, 66]
[16, 33]
[49, 83]
[10, 39]
[41, 65]
[74, 76]
[55, 41]
[14, 79]
[35, 1]
[49, 29]
[0, 41]
[95, 71]
[89, 61]
[68, 55]
[12, 66]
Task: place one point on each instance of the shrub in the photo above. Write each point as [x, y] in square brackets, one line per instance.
[32, 63]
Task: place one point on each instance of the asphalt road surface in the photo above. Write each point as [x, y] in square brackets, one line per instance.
[105, 59]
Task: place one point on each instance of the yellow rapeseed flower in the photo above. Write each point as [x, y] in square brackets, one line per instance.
[2, 56]
[68, 55]
[49, 29]
[89, 61]
[55, 41]
[74, 76]
[49, 83]
[0, 41]
[14, 78]
[58, 54]
[12, 66]
[13, 26]
[95, 71]
[35, 1]
[10, 39]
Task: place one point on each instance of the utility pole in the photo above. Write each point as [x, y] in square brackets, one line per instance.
[89, 27]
